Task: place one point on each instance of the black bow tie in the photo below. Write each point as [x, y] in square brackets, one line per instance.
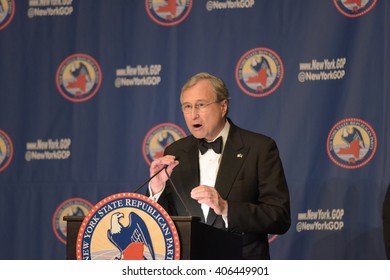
[216, 145]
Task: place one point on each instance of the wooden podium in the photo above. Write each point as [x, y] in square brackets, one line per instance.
[198, 241]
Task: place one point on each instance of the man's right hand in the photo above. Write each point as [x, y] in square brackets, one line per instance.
[158, 182]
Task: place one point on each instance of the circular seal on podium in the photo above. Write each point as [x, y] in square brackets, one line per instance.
[127, 226]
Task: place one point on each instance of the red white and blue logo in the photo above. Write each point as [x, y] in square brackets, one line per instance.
[259, 72]
[79, 77]
[7, 12]
[6, 150]
[127, 226]
[354, 8]
[158, 138]
[351, 143]
[168, 12]
[70, 208]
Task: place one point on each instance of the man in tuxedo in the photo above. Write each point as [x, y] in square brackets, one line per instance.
[238, 186]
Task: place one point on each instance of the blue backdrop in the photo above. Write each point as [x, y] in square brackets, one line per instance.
[89, 94]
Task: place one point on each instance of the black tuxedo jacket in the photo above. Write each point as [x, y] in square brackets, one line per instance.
[250, 178]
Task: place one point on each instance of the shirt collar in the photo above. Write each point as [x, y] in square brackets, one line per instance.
[224, 133]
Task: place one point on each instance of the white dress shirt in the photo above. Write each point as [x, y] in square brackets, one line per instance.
[208, 166]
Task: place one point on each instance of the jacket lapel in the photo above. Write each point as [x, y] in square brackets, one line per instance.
[190, 177]
[233, 158]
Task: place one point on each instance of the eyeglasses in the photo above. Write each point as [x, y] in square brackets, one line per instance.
[200, 106]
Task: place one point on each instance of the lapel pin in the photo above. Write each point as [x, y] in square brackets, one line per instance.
[239, 155]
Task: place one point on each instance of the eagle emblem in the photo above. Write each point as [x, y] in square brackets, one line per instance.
[131, 240]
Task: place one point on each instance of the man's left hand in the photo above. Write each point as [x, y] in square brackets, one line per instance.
[209, 196]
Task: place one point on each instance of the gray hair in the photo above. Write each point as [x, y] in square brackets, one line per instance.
[218, 85]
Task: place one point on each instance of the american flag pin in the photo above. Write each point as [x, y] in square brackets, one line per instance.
[239, 155]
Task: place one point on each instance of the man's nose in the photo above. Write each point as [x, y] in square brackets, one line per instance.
[194, 112]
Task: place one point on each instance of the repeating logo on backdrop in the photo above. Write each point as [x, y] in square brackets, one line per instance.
[78, 77]
[6, 150]
[7, 12]
[158, 138]
[168, 12]
[71, 207]
[351, 143]
[354, 8]
[259, 72]
[127, 226]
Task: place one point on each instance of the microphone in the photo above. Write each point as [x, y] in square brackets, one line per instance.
[175, 189]
[170, 180]
[154, 175]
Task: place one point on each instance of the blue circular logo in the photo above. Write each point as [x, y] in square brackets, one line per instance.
[354, 8]
[127, 226]
[7, 12]
[169, 12]
[79, 77]
[259, 72]
[71, 207]
[158, 138]
[351, 143]
[6, 150]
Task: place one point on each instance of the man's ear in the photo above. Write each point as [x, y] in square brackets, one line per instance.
[224, 105]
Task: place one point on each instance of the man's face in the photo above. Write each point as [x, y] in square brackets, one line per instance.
[208, 122]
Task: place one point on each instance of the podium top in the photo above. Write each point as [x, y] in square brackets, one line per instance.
[185, 219]
[174, 218]
[74, 218]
